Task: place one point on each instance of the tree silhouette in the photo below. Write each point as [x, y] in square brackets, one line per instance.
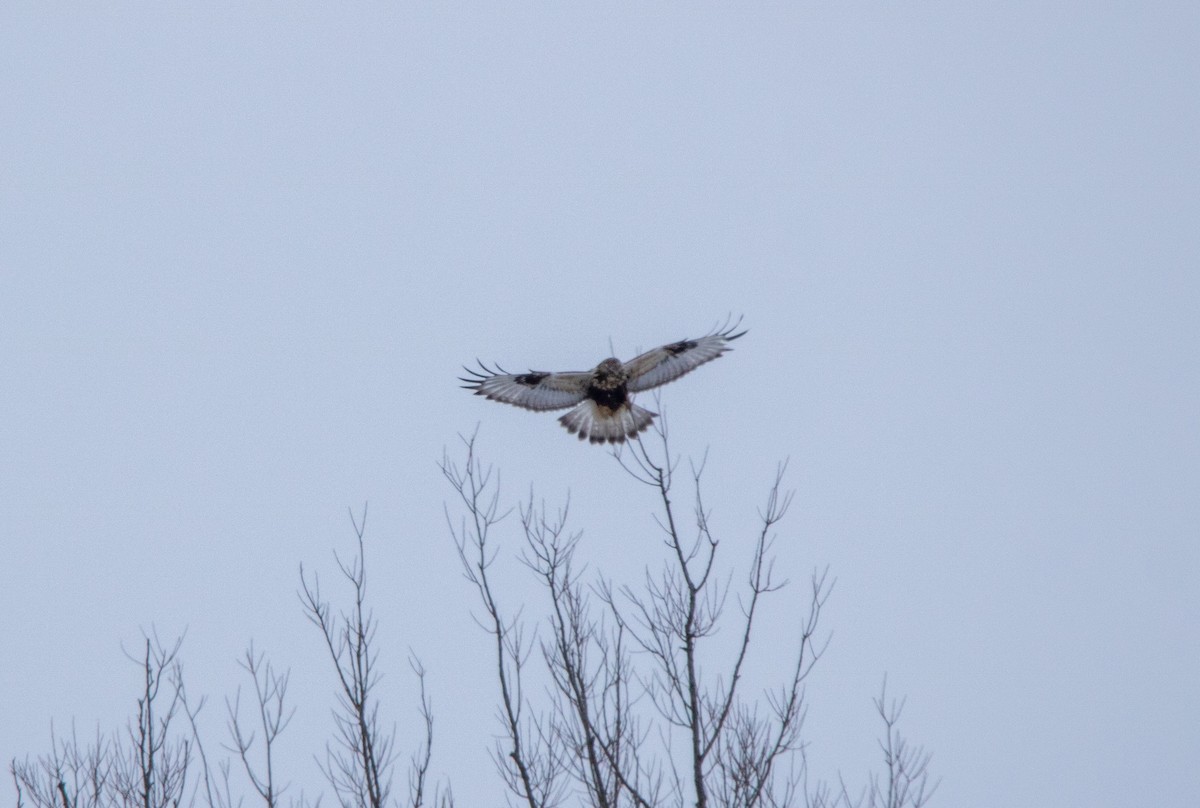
[633, 715]
[618, 694]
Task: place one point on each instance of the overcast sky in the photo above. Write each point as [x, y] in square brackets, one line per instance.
[244, 251]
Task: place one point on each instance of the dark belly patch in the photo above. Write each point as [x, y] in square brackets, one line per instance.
[611, 398]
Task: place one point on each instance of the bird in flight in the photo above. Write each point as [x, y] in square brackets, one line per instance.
[603, 411]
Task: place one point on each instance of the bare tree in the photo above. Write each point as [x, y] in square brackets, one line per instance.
[273, 716]
[528, 762]
[147, 766]
[71, 775]
[360, 765]
[156, 763]
[155, 774]
[906, 779]
[620, 694]
[635, 716]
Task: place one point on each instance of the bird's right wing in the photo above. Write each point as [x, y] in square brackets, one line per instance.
[535, 390]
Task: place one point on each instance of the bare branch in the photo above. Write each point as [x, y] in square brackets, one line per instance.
[360, 768]
[530, 769]
[907, 784]
[273, 716]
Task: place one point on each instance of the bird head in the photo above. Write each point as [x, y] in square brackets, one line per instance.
[610, 373]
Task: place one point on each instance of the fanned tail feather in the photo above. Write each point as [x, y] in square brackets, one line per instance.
[599, 424]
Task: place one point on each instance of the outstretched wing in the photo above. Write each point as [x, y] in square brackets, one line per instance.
[669, 362]
[535, 390]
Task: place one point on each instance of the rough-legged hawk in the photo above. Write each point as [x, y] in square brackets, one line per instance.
[602, 410]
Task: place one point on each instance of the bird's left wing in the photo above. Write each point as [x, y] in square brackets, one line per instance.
[535, 390]
[669, 362]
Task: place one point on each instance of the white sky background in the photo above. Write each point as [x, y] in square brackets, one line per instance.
[243, 254]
